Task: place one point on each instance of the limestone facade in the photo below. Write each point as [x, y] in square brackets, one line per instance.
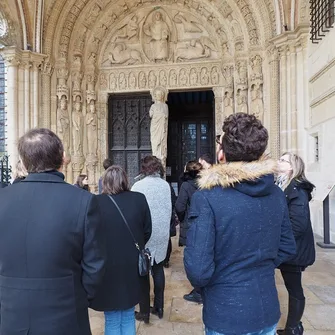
[253, 54]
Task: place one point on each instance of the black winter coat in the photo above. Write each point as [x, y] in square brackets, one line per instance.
[174, 221]
[298, 196]
[51, 256]
[121, 285]
[182, 207]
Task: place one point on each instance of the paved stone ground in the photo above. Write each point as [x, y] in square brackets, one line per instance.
[184, 318]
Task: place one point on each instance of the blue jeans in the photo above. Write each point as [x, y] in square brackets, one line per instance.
[266, 331]
[120, 322]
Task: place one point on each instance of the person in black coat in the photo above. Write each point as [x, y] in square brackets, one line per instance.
[187, 189]
[298, 192]
[122, 284]
[52, 250]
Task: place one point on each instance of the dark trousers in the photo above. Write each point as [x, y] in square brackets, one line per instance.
[168, 253]
[296, 304]
[293, 284]
[159, 286]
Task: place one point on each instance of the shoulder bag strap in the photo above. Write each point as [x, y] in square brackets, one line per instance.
[126, 223]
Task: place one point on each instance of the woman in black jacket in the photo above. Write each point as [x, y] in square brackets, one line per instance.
[121, 287]
[188, 187]
[298, 191]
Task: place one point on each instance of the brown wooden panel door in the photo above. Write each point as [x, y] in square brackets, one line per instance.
[129, 131]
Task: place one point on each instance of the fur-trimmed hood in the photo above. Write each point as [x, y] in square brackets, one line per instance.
[230, 174]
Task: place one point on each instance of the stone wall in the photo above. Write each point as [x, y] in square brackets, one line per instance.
[321, 124]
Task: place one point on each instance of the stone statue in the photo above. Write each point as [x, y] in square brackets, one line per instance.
[183, 77]
[204, 77]
[195, 50]
[159, 32]
[92, 129]
[173, 78]
[193, 77]
[130, 30]
[228, 104]
[64, 123]
[159, 114]
[215, 77]
[120, 54]
[142, 80]
[257, 106]
[77, 123]
[162, 78]
[152, 79]
[132, 80]
[242, 104]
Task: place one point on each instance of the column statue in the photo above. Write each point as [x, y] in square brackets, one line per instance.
[257, 106]
[159, 114]
[64, 123]
[77, 122]
[92, 128]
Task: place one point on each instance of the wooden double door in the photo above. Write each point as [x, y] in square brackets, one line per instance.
[190, 134]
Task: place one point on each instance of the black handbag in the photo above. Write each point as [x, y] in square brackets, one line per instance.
[144, 256]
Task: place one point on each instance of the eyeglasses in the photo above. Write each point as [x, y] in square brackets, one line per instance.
[281, 160]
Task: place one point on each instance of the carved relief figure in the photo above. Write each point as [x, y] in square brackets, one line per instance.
[112, 82]
[173, 78]
[257, 106]
[152, 79]
[242, 104]
[183, 77]
[132, 80]
[120, 54]
[64, 123]
[228, 104]
[256, 65]
[159, 32]
[242, 72]
[228, 76]
[142, 80]
[92, 15]
[196, 49]
[159, 114]
[189, 25]
[193, 77]
[162, 78]
[92, 129]
[204, 77]
[129, 31]
[77, 127]
[122, 81]
[103, 81]
[215, 76]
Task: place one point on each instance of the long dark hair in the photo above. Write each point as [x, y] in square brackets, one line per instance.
[80, 180]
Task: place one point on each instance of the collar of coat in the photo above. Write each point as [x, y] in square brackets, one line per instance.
[228, 174]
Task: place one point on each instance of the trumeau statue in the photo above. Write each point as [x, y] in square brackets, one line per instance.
[159, 33]
[77, 123]
[159, 114]
[92, 129]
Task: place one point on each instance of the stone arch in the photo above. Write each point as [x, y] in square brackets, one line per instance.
[10, 19]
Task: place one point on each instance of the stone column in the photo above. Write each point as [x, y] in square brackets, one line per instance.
[102, 110]
[219, 112]
[288, 97]
[21, 97]
[273, 59]
[283, 99]
[12, 59]
[35, 94]
[27, 96]
[293, 129]
[47, 70]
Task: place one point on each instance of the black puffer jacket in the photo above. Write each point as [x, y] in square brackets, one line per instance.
[298, 196]
[188, 187]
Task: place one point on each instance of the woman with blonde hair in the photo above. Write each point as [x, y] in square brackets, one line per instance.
[122, 284]
[20, 172]
[298, 190]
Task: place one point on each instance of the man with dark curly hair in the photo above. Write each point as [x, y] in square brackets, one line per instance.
[239, 232]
